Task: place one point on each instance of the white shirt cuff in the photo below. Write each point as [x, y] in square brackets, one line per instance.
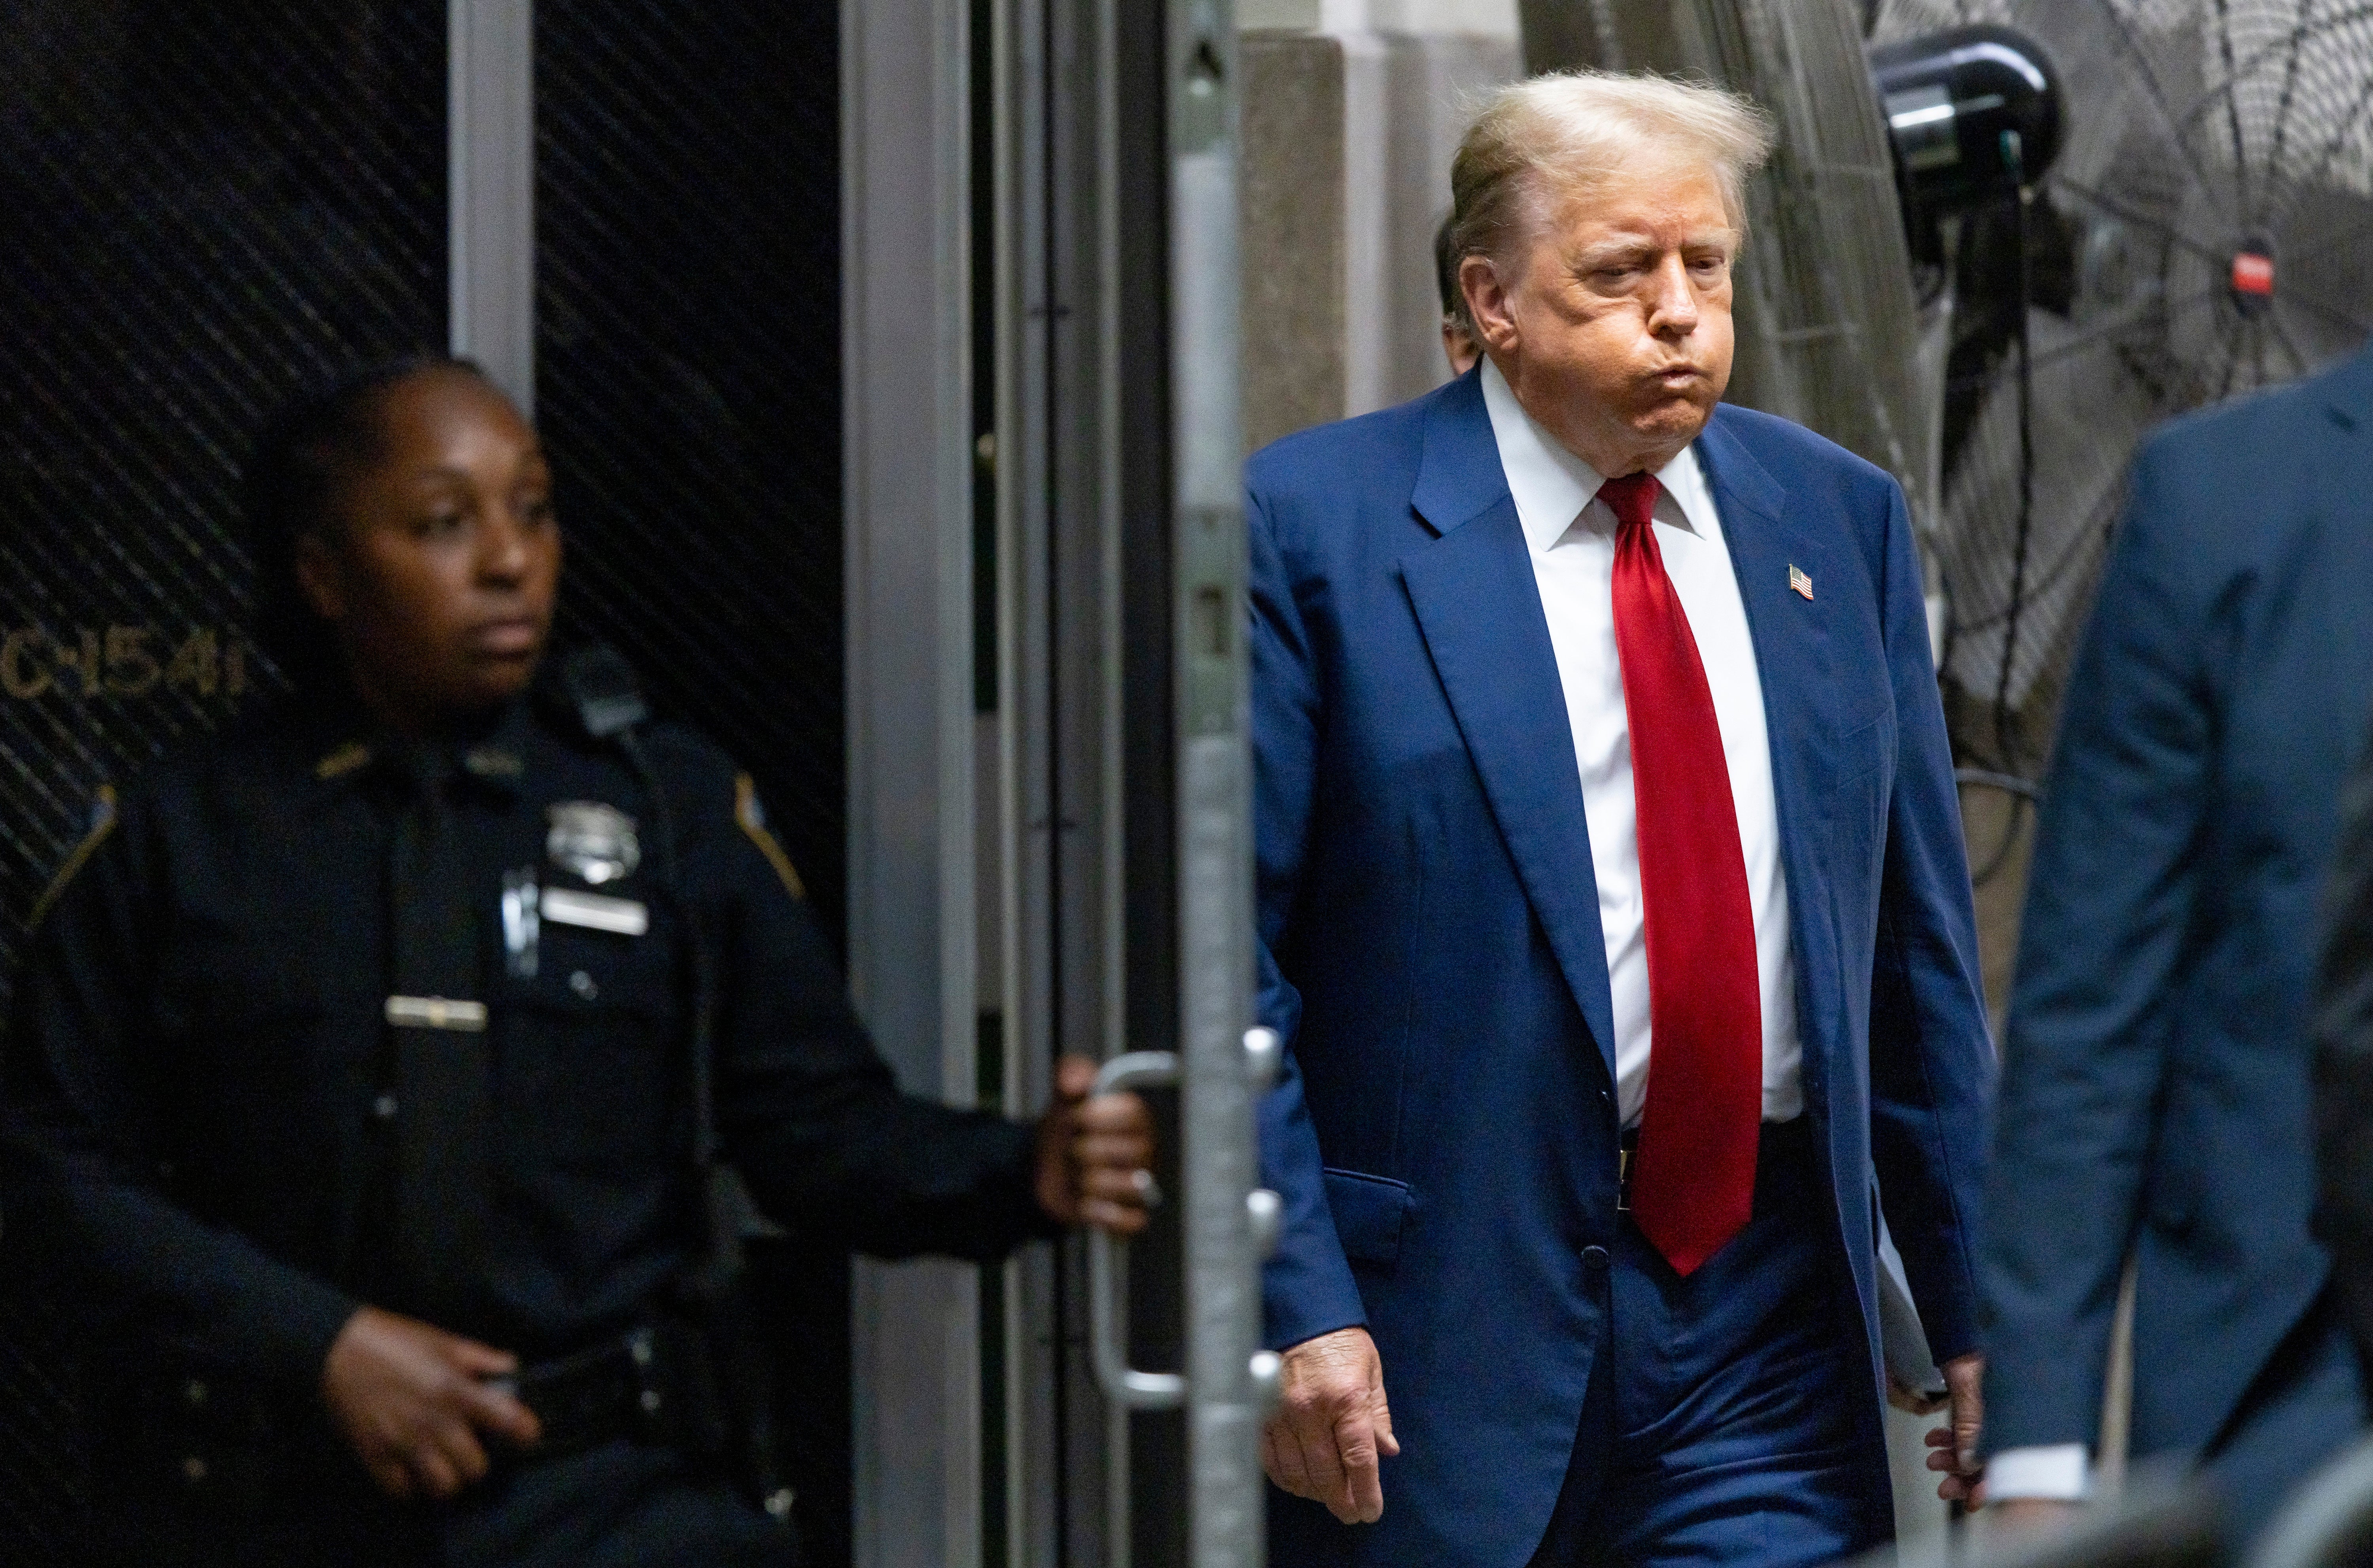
[2056, 1471]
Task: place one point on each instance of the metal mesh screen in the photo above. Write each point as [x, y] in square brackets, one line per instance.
[208, 206]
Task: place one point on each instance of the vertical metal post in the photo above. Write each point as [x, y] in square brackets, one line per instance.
[913, 949]
[1030, 788]
[490, 54]
[1220, 1067]
[1224, 1406]
[1058, 440]
[1097, 31]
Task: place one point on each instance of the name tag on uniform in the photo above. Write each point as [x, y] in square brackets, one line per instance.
[436, 1012]
[594, 911]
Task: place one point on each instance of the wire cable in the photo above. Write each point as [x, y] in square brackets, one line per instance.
[2009, 751]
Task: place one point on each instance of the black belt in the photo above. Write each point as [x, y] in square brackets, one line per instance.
[1779, 1146]
[631, 1387]
[655, 1384]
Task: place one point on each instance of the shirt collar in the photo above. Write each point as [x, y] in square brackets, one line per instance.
[1551, 486]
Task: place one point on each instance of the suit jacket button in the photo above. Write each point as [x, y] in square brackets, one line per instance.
[1594, 1262]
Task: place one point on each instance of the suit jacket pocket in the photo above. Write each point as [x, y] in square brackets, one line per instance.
[1369, 1213]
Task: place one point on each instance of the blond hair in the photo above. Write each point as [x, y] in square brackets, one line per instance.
[1561, 134]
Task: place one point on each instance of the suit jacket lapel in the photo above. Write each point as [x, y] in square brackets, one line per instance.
[1480, 611]
[1766, 536]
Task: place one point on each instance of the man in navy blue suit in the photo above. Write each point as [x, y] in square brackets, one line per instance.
[1613, 903]
[2155, 1100]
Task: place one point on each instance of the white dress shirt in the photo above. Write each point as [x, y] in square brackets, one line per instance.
[1571, 535]
[2059, 1471]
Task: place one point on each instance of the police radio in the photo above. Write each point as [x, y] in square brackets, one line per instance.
[728, 1413]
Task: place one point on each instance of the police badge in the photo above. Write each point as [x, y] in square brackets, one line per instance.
[593, 840]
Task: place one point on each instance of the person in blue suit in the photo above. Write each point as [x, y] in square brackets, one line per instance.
[2155, 1096]
[1613, 904]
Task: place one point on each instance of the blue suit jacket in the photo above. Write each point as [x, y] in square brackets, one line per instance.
[1445, 1138]
[2155, 1085]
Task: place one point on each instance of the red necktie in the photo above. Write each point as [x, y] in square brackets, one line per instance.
[1693, 1178]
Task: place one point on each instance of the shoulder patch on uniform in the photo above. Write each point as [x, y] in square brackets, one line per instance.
[102, 822]
[343, 761]
[752, 818]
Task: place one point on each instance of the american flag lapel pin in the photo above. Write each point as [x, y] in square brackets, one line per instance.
[1800, 582]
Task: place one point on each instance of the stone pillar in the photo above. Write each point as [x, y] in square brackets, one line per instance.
[1352, 110]
[1293, 270]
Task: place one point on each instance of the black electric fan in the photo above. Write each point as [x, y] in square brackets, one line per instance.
[2116, 211]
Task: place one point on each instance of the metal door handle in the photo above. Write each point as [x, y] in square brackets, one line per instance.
[1124, 1385]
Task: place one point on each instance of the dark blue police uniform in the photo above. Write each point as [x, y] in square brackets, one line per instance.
[206, 1145]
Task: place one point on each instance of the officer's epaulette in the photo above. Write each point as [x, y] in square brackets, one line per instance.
[102, 822]
[752, 818]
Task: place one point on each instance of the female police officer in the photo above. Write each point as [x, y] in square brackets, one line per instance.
[372, 1066]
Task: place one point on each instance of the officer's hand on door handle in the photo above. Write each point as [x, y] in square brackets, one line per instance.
[1093, 1153]
[414, 1403]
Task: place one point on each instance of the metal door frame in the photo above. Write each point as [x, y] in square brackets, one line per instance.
[914, 958]
[1117, 446]
[490, 183]
[1061, 788]
[1119, 449]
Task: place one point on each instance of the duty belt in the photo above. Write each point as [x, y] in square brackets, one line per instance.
[637, 1388]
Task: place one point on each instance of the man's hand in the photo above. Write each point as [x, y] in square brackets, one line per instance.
[1332, 1426]
[1956, 1446]
[412, 1401]
[1092, 1155]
